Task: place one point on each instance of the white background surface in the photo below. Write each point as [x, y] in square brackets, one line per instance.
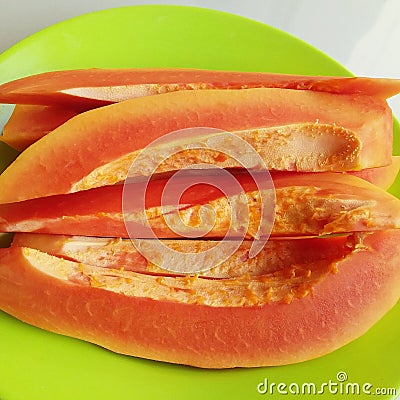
[363, 35]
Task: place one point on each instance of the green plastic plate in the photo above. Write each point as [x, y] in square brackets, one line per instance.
[38, 365]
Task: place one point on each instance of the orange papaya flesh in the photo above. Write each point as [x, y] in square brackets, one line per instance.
[28, 124]
[98, 87]
[306, 204]
[97, 148]
[111, 307]
[383, 177]
[279, 254]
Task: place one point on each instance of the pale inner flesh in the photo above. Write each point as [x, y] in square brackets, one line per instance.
[296, 147]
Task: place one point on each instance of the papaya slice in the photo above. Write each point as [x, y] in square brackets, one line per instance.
[306, 204]
[98, 87]
[277, 255]
[291, 129]
[267, 320]
[28, 124]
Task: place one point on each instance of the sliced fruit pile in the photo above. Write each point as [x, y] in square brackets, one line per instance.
[327, 273]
